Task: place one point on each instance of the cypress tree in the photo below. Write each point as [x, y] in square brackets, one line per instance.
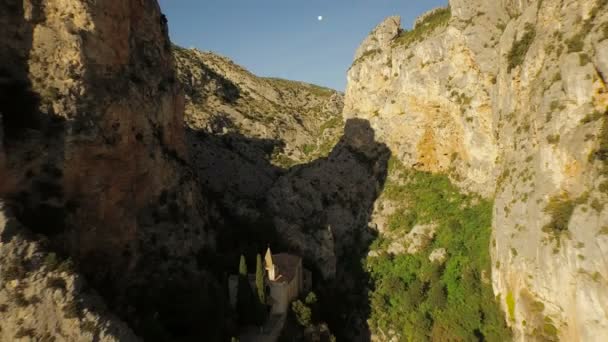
[243, 267]
[259, 279]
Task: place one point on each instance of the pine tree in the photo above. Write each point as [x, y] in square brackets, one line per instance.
[259, 279]
[243, 267]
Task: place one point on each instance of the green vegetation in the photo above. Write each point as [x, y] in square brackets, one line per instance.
[302, 312]
[596, 115]
[577, 42]
[520, 47]
[243, 266]
[301, 86]
[308, 149]
[422, 300]
[510, 301]
[439, 19]
[561, 208]
[327, 138]
[553, 139]
[601, 153]
[584, 59]
[366, 55]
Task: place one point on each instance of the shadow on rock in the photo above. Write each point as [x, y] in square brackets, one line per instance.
[321, 211]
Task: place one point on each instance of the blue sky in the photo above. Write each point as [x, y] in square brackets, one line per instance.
[284, 38]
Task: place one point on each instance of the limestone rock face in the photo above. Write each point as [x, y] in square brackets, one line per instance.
[509, 99]
[93, 121]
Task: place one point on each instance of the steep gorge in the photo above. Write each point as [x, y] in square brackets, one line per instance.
[466, 164]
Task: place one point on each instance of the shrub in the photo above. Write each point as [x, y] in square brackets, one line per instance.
[302, 312]
[50, 261]
[308, 149]
[311, 299]
[596, 115]
[576, 43]
[553, 139]
[560, 208]
[520, 47]
[431, 23]
[365, 55]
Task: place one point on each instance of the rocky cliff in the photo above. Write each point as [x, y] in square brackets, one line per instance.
[93, 123]
[509, 99]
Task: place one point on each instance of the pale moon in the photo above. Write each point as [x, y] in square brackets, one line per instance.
[320, 18]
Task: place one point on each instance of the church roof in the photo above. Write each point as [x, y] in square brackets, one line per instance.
[268, 258]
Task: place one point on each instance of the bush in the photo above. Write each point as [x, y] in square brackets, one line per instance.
[520, 48]
[302, 312]
[553, 139]
[311, 299]
[584, 59]
[576, 43]
[596, 115]
[561, 209]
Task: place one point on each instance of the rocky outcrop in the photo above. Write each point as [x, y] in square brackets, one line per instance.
[509, 99]
[42, 298]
